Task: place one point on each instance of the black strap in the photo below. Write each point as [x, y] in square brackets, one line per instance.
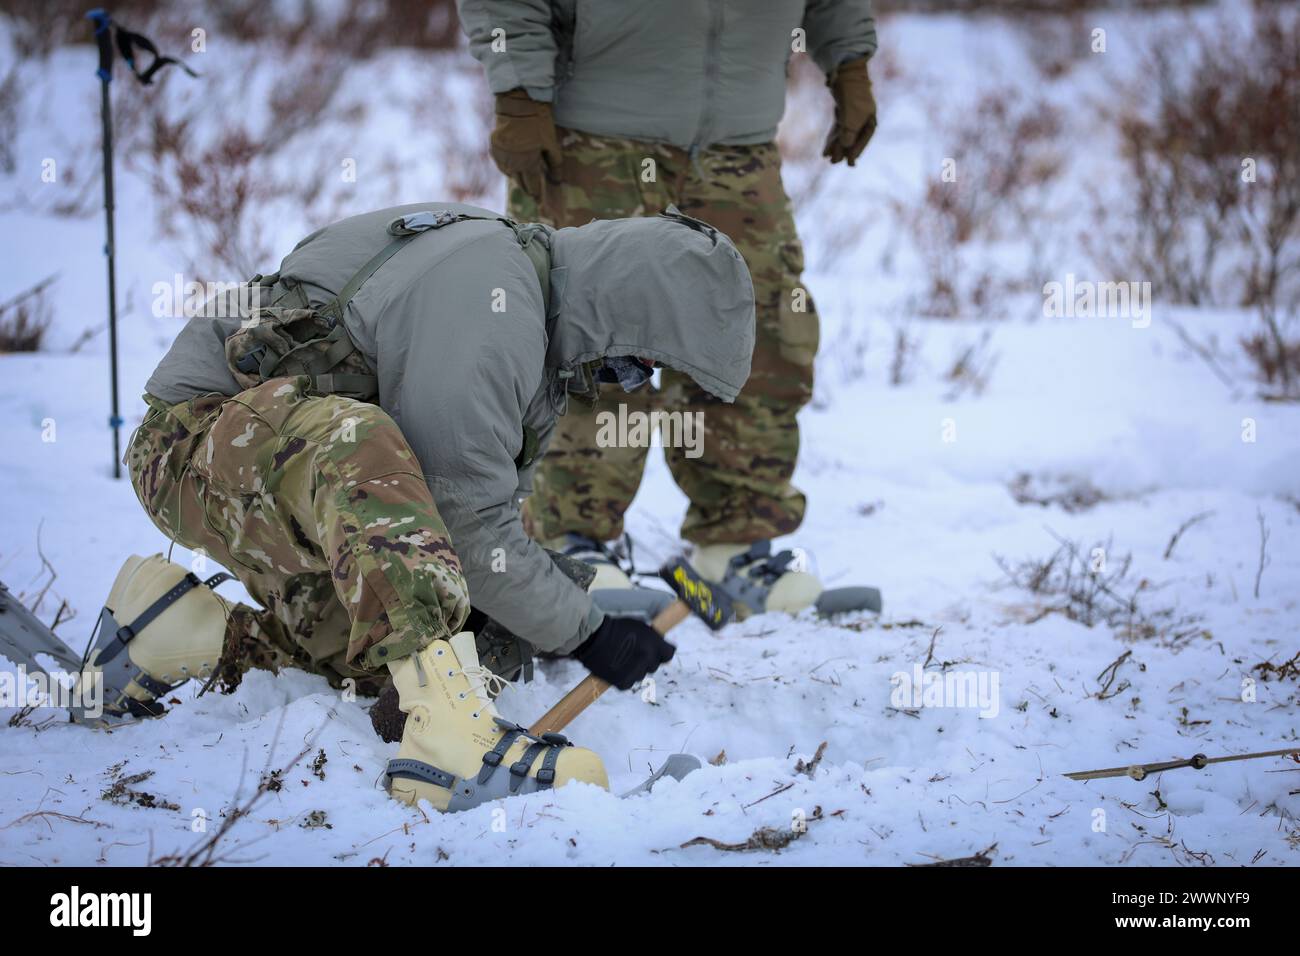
[755, 552]
[126, 44]
[127, 632]
[155, 687]
[339, 305]
[551, 743]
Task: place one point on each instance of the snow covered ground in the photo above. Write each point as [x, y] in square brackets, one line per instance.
[909, 489]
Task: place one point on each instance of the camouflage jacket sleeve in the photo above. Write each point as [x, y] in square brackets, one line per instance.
[839, 31]
[521, 56]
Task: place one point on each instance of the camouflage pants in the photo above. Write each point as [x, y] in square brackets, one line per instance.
[318, 506]
[739, 488]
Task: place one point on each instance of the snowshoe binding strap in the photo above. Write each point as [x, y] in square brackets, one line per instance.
[519, 769]
[546, 776]
[125, 633]
[750, 575]
[118, 672]
[406, 769]
[489, 785]
[492, 759]
[759, 561]
[552, 743]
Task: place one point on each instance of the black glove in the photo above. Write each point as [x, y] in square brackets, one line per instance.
[623, 650]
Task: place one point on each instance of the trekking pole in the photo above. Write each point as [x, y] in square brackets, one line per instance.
[104, 40]
[107, 33]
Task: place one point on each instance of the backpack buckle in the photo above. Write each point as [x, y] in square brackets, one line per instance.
[251, 360]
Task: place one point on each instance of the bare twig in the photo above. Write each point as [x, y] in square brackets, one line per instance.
[770, 795]
[43, 814]
[1268, 670]
[1263, 553]
[205, 852]
[1108, 675]
[929, 654]
[34, 605]
[1194, 519]
[981, 858]
[1203, 353]
[1096, 591]
[58, 615]
[764, 838]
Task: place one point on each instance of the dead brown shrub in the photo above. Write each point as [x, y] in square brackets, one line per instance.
[1085, 586]
[1005, 156]
[25, 318]
[352, 29]
[217, 192]
[1210, 134]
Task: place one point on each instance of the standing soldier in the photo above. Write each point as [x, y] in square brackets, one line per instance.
[621, 108]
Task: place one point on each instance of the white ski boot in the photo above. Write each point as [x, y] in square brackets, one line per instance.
[160, 626]
[757, 580]
[457, 751]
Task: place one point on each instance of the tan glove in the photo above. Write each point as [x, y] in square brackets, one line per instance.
[524, 144]
[855, 111]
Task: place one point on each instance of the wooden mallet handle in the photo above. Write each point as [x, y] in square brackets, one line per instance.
[590, 687]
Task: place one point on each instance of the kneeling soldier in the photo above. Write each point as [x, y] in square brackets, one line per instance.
[355, 453]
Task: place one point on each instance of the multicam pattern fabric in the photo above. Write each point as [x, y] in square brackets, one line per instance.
[739, 488]
[318, 505]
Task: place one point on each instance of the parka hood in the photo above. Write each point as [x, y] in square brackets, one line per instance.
[667, 287]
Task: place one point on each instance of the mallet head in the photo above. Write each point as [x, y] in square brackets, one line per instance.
[706, 602]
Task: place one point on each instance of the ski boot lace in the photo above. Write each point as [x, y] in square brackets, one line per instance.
[482, 678]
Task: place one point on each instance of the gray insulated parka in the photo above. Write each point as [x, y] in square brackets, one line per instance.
[456, 331]
[687, 72]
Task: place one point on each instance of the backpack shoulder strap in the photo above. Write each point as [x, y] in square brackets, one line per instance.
[532, 239]
[536, 246]
[338, 306]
